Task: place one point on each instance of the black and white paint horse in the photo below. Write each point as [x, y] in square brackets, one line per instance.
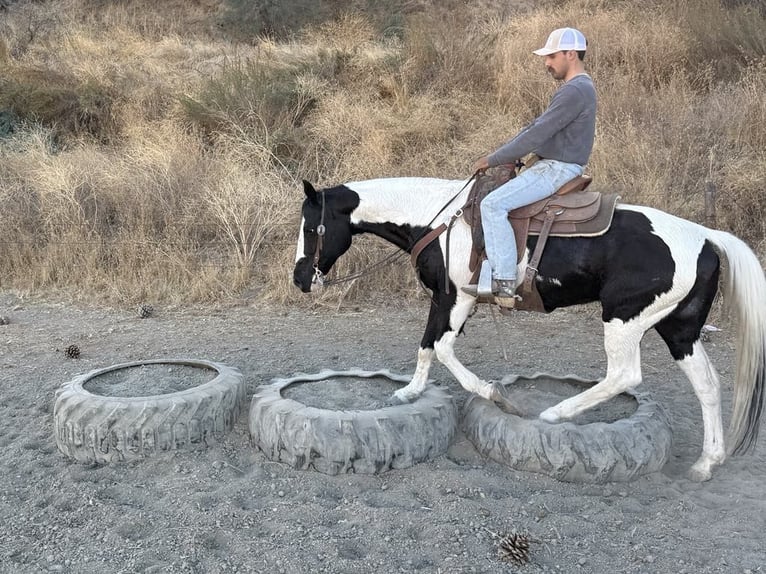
[650, 270]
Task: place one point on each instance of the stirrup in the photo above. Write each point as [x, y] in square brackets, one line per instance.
[506, 303]
[503, 296]
[498, 291]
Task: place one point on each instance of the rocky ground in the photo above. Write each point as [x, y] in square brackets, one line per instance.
[229, 509]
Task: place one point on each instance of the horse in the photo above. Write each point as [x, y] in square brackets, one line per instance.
[649, 270]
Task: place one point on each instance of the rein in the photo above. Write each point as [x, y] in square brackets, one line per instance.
[434, 233]
[321, 230]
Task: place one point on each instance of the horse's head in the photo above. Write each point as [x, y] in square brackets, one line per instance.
[325, 233]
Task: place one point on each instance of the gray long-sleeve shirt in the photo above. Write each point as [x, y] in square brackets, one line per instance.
[564, 132]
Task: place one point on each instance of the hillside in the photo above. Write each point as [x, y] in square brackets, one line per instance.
[156, 153]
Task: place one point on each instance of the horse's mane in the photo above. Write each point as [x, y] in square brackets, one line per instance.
[405, 200]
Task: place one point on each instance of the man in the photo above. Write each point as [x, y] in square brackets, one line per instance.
[562, 137]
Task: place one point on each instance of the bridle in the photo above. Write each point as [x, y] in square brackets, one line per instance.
[322, 230]
[319, 276]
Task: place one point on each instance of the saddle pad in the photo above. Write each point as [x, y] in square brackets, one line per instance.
[597, 225]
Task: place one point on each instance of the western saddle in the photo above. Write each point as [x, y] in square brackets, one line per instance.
[571, 211]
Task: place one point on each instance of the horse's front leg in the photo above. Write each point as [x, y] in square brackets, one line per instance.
[447, 316]
[439, 322]
[419, 380]
[496, 392]
[445, 319]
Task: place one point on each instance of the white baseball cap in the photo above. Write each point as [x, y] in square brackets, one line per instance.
[561, 40]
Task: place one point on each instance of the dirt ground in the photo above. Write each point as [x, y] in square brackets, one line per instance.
[229, 509]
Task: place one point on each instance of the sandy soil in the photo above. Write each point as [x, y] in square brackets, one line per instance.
[229, 509]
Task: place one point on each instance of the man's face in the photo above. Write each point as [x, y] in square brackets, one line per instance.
[557, 64]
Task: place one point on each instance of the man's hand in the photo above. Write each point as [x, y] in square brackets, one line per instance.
[481, 164]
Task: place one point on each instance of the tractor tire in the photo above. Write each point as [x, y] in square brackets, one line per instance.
[351, 441]
[92, 428]
[595, 452]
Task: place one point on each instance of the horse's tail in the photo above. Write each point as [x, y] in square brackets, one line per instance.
[744, 293]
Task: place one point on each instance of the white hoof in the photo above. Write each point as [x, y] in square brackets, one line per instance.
[404, 397]
[550, 415]
[702, 470]
[699, 473]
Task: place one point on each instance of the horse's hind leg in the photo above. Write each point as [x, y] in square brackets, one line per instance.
[622, 344]
[680, 331]
[703, 377]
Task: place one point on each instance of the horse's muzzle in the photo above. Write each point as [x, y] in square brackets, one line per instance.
[304, 286]
[303, 276]
[299, 285]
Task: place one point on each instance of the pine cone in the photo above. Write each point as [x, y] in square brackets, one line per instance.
[72, 351]
[145, 311]
[514, 548]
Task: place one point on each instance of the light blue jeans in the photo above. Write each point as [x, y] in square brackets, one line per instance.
[539, 181]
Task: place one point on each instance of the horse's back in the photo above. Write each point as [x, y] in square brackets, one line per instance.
[645, 254]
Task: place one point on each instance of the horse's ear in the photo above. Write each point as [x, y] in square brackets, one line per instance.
[310, 192]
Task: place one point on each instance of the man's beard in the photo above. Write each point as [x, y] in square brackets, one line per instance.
[556, 75]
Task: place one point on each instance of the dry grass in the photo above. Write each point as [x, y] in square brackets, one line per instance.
[145, 155]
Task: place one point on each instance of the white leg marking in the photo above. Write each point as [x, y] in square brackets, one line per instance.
[704, 378]
[446, 354]
[623, 353]
[418, 383]
[445, 350]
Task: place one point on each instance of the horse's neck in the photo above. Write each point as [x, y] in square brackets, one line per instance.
[405, 201]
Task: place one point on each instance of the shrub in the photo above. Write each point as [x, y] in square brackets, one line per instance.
[71, 108]
[265, 103]
[449, 50]
[182, 150]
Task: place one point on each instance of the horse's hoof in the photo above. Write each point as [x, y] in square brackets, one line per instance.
[395, 401]
[549, 416]
[699, 474]
[499, 395]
